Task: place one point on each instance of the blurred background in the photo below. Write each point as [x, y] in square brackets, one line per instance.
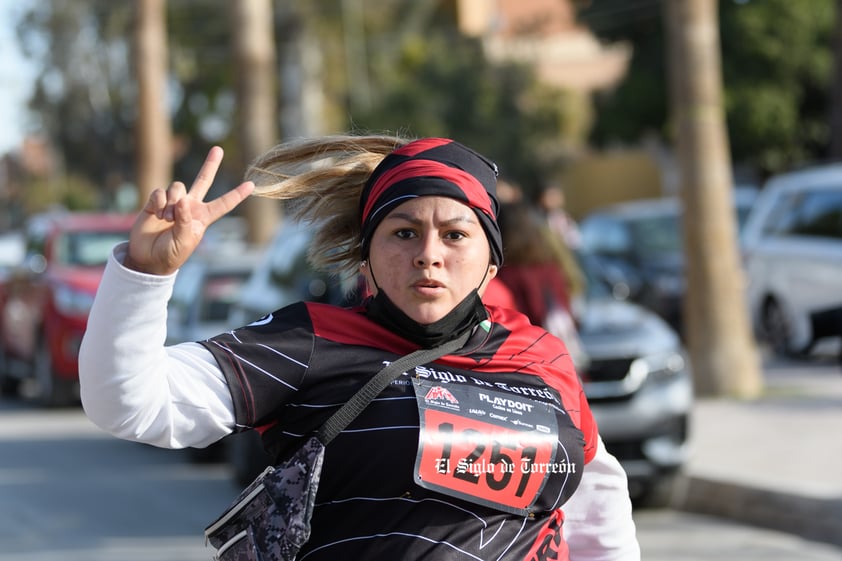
[597, 101]
[555, 91]
[683, 153]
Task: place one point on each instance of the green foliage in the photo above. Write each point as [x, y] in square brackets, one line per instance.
[424, 80]
[777, 62]
[442, 85]
[83, 97]
[777, 67]
[639, 104]
[201, 92]
[71, 192]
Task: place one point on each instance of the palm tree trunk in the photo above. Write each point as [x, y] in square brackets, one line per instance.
[154, 130]
[722, 349]
[257, 102]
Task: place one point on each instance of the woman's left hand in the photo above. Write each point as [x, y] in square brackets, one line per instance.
[171, 225]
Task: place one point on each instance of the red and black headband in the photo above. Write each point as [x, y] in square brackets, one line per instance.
[433, 167]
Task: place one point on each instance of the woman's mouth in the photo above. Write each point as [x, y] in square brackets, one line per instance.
[428, 287]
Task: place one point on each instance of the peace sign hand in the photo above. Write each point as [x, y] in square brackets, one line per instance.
[171, 225]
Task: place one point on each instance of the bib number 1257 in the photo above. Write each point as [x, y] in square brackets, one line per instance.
[485, 456]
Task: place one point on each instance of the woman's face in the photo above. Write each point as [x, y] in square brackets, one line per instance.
[427, 255]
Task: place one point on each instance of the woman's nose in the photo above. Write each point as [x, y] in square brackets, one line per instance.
[429, 252]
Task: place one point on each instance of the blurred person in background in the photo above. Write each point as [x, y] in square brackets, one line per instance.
[552, 201]
[541, 274]
[508, 192]
[566, 240]
[419, 220]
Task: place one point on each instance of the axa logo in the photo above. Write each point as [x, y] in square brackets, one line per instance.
[438, 393]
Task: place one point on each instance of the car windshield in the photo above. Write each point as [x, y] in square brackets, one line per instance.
[656, 235]
[86, 249]
[596, 282]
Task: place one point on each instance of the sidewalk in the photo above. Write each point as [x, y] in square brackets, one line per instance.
[775, 462]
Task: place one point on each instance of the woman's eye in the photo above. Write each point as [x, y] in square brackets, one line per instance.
[405, 234]
[454, 235]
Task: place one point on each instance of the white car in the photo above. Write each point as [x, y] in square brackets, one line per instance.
[792, 252]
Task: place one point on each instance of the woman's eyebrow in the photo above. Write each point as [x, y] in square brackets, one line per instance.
[466, 218]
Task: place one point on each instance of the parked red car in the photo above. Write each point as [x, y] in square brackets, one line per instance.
[48, 298]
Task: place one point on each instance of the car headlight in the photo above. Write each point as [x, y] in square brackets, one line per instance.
[72, 302]
[657, 367]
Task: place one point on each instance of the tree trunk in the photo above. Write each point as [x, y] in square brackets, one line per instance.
[257, 121]
[301, 66]
[154, 132]
[720, 342]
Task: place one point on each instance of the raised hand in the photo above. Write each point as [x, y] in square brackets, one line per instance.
[171, 225]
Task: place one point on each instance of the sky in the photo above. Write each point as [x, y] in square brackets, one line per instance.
[15, 78]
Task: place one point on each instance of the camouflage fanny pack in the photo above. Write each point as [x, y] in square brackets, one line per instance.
[270, 519]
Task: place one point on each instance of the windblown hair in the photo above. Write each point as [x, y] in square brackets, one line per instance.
[321, 180]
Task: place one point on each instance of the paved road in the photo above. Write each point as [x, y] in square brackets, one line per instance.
[671, 536]
[68, 492]
[774, 461]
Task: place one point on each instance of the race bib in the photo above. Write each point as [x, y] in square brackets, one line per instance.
[484, 445]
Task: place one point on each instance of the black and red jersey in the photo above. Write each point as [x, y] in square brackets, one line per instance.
[291, 370]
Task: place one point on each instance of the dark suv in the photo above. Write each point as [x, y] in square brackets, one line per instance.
[639, 245]
[48, 297]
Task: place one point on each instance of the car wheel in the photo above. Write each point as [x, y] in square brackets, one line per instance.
[777, 328]
[51, 390]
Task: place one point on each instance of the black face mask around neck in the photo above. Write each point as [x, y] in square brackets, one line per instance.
[466, 315]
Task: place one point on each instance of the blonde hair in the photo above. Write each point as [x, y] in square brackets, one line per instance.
[321, 180]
